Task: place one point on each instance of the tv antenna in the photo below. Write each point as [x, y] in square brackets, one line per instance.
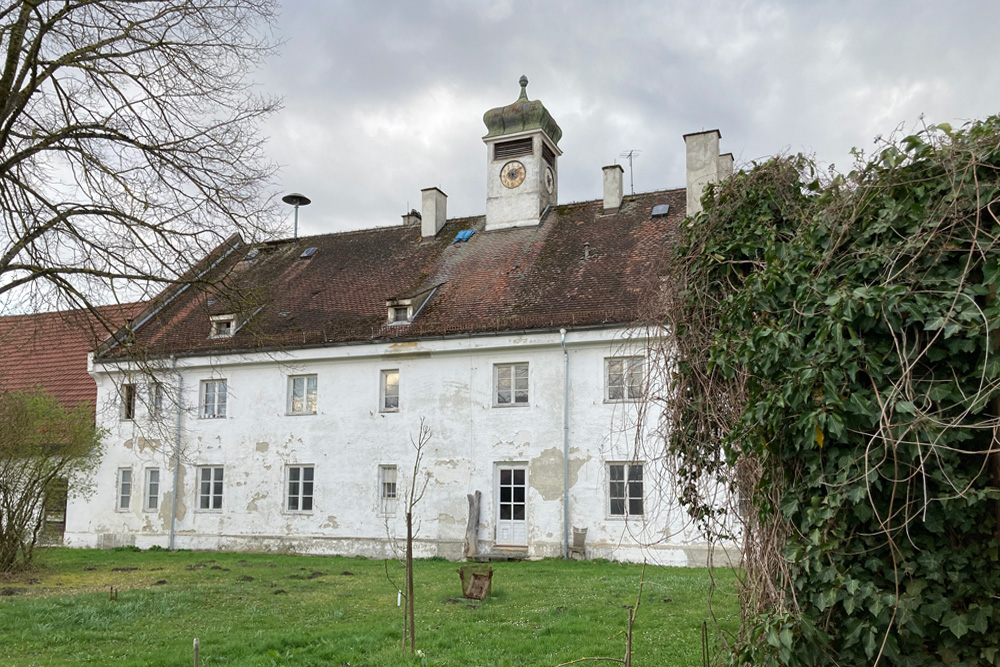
[629, 155]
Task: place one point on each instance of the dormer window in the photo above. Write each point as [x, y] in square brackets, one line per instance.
[223, 326]
[403, 309]
[399, 314]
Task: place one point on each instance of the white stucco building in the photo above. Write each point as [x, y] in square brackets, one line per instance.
[291, 387]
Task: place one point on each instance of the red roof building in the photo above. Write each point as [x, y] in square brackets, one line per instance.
[49, 350]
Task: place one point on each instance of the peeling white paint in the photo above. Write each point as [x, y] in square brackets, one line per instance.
[450, 385]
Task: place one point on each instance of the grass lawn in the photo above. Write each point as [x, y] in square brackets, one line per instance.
[265, 609]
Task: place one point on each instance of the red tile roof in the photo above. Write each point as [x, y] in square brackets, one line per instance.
[579, 267]
[50, 350]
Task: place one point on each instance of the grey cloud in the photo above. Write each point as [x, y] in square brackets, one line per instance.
[383, 99]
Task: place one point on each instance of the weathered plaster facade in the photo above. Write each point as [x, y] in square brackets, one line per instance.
[447, 383]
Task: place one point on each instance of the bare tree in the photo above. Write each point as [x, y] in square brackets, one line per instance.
[128, 143]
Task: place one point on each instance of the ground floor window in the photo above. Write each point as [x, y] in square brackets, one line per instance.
[387, 490]
[210, 488]
[625, 489]
[124, 489]
[152, 489]
[300, 489]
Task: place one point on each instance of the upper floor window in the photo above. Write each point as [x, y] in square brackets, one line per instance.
[214, 397]
[510, 382]
[223, 326]
[210, 488]
[300, 489]
[389, 392]
[128, 401]
[302, 395]
[156, 401]
[623, 378]
[124, 501]
[625, 489]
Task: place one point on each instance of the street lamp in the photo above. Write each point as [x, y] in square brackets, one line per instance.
[296, 199]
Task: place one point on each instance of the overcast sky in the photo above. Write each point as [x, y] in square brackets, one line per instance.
[382, 99]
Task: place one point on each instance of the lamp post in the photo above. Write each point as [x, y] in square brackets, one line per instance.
[296, 199]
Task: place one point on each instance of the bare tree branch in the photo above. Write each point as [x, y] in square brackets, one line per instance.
[128, 143]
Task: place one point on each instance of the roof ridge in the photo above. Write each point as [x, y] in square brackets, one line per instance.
[71, 311]
[369, 230]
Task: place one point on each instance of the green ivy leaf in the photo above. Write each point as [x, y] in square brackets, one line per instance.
[956, 623]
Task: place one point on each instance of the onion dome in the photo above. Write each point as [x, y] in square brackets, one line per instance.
[522, 115]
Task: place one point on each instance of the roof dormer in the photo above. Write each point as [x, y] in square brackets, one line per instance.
[404, 308]
[222, 326]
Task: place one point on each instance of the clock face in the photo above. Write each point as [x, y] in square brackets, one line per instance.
[550, 180]
[512, 174]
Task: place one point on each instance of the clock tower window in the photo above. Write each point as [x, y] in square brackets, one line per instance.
[515, 148]
[549, 156]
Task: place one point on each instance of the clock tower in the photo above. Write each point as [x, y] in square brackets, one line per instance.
[522, 175]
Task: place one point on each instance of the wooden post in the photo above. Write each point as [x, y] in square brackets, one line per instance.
[472, 529]
[196, 647]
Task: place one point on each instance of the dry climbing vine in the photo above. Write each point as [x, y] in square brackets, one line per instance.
[833, 346]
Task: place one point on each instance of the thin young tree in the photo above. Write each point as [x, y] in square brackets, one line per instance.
[414, 495]
[129, 144]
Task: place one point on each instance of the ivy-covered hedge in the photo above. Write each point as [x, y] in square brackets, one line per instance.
[839, 337]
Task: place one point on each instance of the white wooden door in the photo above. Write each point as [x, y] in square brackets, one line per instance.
[512, 508]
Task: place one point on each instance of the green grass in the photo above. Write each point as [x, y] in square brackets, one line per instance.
[264, 609]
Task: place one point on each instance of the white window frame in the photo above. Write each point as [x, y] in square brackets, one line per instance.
[203, 405]
[128, 393]
[223, 326]
[123, 490]
[156, 401]
[384, 394]
[625, 492]
[305, 408]
[216, 490]
[396, 308]
[298, 492]
[151, 499]
[398, 311]
[510, 371]
[388, 489]
[631, 387]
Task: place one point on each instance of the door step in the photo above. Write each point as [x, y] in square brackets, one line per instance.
[500, 554]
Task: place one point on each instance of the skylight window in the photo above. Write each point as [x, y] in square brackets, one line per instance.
[660, 211]
[308, 252]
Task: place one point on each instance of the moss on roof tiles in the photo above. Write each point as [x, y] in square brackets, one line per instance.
[512, 279]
